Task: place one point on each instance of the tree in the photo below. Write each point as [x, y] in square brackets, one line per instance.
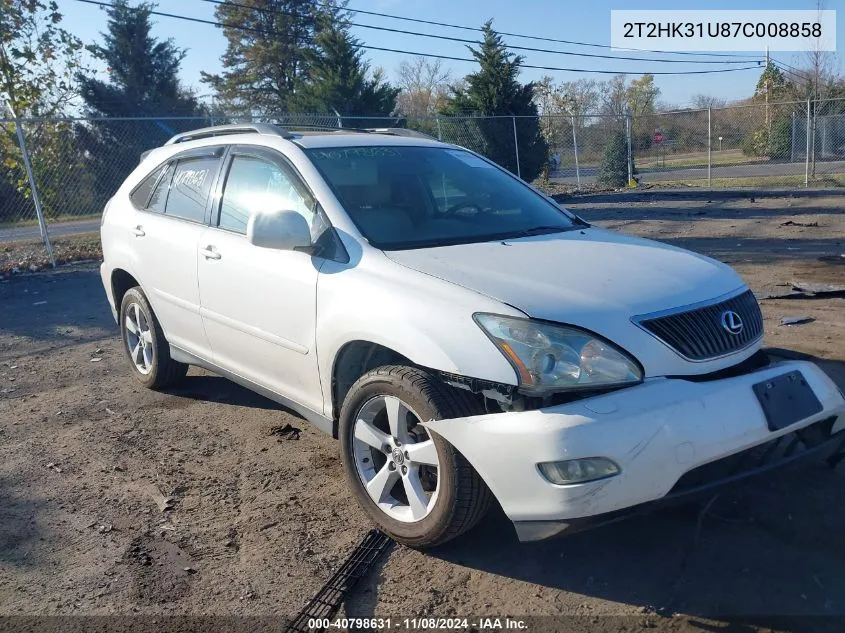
[143, 71]
[38, 63]
[640, 101]
[268, 41]
[613, 96]
[143, 82]
[641, 96]
[773, 83]
[339, 79]
[579, 98]
[424, 85]
[613, 170]
[495, 91]
[38, 58]
[704, 102]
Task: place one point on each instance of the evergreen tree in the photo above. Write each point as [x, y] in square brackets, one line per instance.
[613, 170]
[143, 72]
[338, 78]
[268, 41]
[494, 91]
[143, 82]
[774, 83]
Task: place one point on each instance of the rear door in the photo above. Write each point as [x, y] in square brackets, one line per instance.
[259, 304]
[164, 235]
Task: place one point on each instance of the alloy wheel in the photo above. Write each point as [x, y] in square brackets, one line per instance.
[139, 338]
[396, 459]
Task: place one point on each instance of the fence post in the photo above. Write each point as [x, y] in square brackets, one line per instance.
[814, 120]
[807, 155]
[630, 153]
[439, 131]
[42, 225]
[516, 147]
[575, 146]
[709, 148]
[824, 135]
[792, 142]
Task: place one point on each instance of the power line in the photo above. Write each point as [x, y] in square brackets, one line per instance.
[536, 37]
[467, 41]
[418, 54]
[795, 72]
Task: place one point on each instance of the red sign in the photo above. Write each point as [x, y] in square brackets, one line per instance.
[658, 138]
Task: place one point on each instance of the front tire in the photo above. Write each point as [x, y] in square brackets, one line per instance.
[411, 482]
[145, 345]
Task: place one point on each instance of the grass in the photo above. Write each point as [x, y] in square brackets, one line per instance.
[24, 255]
[797, 181]
[725, 157]
[50, 220]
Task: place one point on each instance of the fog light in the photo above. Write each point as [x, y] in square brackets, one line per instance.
[578, 471]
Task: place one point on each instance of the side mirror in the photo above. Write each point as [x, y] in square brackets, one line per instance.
[282, 230]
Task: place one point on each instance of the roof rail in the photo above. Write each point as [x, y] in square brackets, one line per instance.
[225, 130]
[401, 131]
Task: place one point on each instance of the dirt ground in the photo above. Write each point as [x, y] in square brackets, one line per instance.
[256, 523]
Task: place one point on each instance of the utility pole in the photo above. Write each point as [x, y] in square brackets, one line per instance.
[628, 127]
[768, 76]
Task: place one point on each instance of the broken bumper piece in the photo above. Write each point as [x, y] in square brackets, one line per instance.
[672, 440]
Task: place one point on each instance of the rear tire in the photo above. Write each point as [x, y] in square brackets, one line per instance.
[449, 502]
[145, 345]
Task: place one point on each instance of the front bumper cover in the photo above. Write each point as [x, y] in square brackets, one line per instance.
[668, 435]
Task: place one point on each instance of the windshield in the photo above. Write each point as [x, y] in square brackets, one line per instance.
[414, 197]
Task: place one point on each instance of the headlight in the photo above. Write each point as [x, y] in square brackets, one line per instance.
[556, 358]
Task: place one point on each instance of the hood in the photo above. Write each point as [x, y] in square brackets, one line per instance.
[592, 278]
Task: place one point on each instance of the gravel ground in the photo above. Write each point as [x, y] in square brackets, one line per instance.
[255, 523]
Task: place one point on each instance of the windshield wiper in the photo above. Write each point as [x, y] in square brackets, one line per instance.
[540, 230]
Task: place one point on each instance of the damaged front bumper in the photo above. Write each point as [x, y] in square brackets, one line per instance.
[671, 438]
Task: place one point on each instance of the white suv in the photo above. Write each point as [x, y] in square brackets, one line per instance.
[463, 336]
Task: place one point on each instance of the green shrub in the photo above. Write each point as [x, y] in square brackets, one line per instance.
[777, 144]
[613, 170]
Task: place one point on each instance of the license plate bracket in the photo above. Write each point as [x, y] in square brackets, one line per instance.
[786, 399]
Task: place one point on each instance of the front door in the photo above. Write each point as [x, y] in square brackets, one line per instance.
[258, 305]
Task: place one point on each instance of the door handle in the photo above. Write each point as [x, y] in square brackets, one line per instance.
[139, 231]
[209, 252]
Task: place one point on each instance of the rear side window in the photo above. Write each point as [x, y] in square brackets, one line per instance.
[142, 192]
[190, 187]
[159, 197]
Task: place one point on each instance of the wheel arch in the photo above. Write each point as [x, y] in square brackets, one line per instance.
[354, 359]
[121, 281]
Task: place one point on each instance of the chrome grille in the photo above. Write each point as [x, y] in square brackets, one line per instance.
[698, 334]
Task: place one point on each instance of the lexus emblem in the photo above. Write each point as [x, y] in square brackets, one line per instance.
[732, 322]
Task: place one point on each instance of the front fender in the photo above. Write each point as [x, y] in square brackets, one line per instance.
[427, 320]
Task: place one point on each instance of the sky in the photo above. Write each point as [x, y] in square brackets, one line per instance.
[576, 20]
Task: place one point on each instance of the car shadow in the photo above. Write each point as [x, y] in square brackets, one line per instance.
[57, 309]
[766, 548]
[208, 387]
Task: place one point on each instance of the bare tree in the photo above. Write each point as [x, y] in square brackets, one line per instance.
[821, 64]
[613, 96]
[818, 80]
[703, 102]
[579, 98]
[425, 85]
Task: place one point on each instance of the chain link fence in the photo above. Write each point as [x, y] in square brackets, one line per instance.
[76, 164]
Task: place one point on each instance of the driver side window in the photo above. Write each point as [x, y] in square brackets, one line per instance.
[260, 185]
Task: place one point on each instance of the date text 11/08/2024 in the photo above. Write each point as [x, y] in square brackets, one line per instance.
[383, 624]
